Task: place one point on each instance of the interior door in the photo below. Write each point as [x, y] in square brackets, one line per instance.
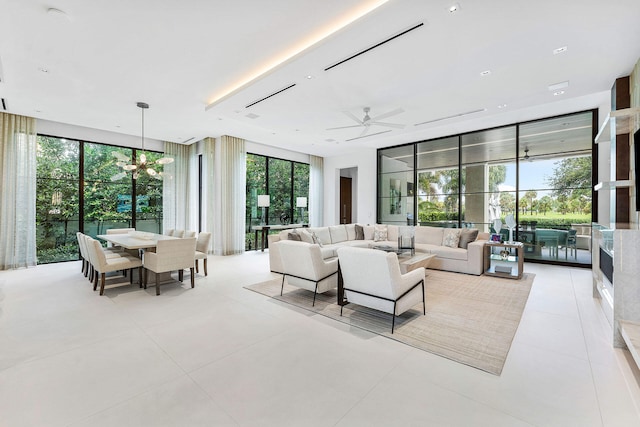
[345, 200]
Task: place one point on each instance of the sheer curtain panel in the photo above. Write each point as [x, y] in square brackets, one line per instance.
[180, 193]
[316, 191]
[233, 188]
[18, 147]
[208, 200]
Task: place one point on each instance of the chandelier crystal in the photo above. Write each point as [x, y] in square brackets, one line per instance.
[140, 164]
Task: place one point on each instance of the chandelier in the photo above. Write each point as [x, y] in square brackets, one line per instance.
[140, 164]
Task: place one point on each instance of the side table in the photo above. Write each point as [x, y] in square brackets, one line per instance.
[504, 259]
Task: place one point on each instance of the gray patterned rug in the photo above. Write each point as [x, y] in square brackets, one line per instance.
[470, 319]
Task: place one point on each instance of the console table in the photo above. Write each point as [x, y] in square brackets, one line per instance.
[264, 229]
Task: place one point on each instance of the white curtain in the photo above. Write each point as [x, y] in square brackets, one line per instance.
[180, 192]
[18, 147]
[233, 165]
[316, 191]
[208, 199]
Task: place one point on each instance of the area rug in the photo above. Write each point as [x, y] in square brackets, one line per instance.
[470, 319]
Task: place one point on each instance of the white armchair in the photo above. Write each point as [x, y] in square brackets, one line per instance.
[372, 278]
[303, 266]
[171, 255]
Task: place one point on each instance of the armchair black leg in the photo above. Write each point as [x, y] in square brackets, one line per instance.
[315, 292]
[205, 267]
[157, 284]
[197, 267]
[282, 287]
[424, 301]
[393, 319]
[181, 274]
[193, 282]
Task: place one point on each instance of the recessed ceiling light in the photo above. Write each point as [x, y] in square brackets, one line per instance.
[309, 77]
[43, 70]
[560, 92]
[454, 8]
[562, 49]
[485, 73]
[502, 106]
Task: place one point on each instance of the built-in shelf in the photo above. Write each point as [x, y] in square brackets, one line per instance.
[608, 185]
[631, 334]
[625, 122]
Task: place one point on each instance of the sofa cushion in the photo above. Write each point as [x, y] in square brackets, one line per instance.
[322, 233]
[359, 232]
[429, 235]
[316, 239]
[449, 253]
[351, 231]
[368, 232]
[338, 233]
[451, 237]
[467, 236]
[305, 236]
[380, 232]
[392, 233]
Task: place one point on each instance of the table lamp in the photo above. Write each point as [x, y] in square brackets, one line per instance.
[301, 203]
[263, 202]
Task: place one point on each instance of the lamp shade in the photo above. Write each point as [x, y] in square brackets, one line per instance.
[264, 201]
[301, 202]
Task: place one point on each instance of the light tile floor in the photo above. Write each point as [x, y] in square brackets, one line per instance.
[220, 355]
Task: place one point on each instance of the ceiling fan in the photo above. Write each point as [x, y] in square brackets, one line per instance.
[368, 121]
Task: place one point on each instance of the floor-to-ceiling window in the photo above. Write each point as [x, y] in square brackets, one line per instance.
[75, 193]
[284, 182]
[539, 172]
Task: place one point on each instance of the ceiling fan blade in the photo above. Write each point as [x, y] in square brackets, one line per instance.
[389, 125]
[345, 127]
[389, 114]
[353, 117]
[364, 131]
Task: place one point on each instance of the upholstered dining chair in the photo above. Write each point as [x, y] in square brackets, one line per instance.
[202, 249]
[178, 233]
[189, 234]
[372, 278]
[304, 267]
[103, 265]
[89, 271]
[171, 255]
[168, 232]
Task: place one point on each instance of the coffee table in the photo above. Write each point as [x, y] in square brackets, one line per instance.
[409, 263]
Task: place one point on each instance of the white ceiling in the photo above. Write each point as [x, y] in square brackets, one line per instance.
[178, 55]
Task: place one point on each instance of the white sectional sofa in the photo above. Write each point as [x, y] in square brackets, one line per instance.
[427, 240]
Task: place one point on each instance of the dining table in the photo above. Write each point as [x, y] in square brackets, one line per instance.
[136, 243]
[136, 240]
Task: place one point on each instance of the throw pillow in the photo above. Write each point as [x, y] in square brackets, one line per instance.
[359, 232]
[316, 240]
[467, 236]
[451, 237]
[293, 235]
[380, 232]
[306, 237]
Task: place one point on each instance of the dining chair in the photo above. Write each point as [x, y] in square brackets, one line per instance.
[171, 255]
[178, 233]
[103, 265]
[202, 249]
[168, 232]
[189, 234]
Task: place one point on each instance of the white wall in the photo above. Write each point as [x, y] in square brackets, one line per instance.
[365, 161]
[64, 130]
[266, 150]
